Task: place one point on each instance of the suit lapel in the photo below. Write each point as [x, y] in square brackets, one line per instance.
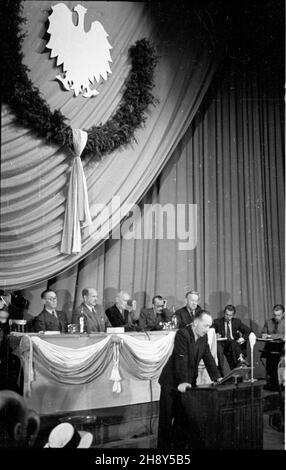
[126, 316]
[201, 347]
[91, 317]
[153, 317]
[222, 332]
[52, 319]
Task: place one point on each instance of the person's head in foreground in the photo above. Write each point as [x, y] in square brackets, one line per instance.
[19, 426]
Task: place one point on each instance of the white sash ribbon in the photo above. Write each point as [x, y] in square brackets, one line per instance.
[77, 211]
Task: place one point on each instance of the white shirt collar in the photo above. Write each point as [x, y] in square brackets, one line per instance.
[89, 307]
[50, 310]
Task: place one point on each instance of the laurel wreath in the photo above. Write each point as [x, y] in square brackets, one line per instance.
[32, 110]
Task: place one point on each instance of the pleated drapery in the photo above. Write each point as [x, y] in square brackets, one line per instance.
[34, 175]
[142, 359]
[77, 213]
[230, 163]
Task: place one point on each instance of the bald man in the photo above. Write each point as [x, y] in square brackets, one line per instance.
[95, 319]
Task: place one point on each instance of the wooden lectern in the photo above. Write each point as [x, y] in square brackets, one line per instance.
[225, 416]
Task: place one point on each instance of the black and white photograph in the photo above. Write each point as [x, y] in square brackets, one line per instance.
[142, 231]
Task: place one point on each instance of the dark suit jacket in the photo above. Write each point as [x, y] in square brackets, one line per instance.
[116, 319]
[183, 316]
[93, 322]
[269, 327]
[236, 325]
[149, 320]
[182, 365]
[45, 321]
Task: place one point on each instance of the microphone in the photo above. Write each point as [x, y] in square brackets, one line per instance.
[252, 341]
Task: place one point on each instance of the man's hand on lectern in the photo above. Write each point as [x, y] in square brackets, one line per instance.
[240, 340]
[217, 381]
[184, 386]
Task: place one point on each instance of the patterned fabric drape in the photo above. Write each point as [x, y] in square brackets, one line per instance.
[34, 175]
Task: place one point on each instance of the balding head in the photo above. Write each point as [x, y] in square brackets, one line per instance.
[90, 296]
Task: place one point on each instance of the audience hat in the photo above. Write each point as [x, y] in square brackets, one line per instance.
[65, 436]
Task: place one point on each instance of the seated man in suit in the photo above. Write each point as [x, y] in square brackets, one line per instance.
[236, 334]
[185, 315]
[50, 319]
[94, 317]
[153, 318]
[275, 328]
[122, 313]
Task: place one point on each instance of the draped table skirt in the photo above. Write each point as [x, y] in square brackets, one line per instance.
[67, 372]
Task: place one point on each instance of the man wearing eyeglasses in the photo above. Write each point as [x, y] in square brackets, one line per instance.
[155, 317]
[50, 319]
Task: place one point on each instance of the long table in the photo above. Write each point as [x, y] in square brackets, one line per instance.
[49, 396]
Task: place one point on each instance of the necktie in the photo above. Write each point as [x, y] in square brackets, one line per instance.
[54, 313]
[95, 319]
[275, 327]
[228, 335]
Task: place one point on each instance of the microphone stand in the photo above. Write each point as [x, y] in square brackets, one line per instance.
[252, 341]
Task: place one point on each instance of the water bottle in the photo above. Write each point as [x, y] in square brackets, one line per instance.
[174, 321]
[81, 324]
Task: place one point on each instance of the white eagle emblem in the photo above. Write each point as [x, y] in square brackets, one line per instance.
[85, 55]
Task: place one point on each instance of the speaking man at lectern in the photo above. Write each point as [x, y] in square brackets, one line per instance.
[180, 373]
